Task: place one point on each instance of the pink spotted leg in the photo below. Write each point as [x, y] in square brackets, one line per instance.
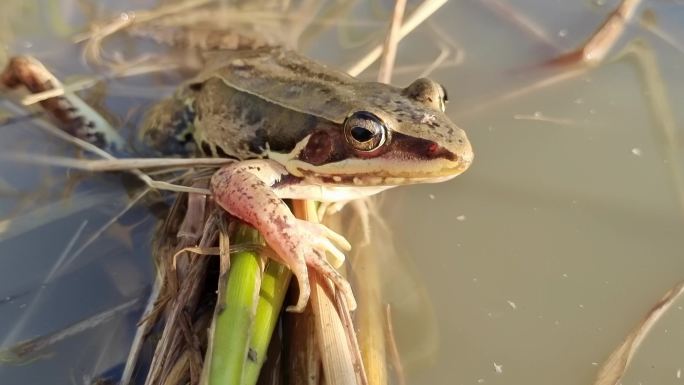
[249, 190]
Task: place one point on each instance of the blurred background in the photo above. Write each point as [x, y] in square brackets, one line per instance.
[528, 269]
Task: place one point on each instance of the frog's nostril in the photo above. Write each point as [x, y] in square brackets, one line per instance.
[434, 150]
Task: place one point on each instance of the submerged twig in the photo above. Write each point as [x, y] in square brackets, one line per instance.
[58, 266]
[595, 49]
[91, 148]
[542, 118]
[10, 228]
[537, 85]
[93, 237]
[22, 351]
[128, 164]
[444, 53]
[131, 69]
[662, 113]
[649, 23]
[393, 349]
[580, 61]
[615, 366]
[141, 332]
[104, 165]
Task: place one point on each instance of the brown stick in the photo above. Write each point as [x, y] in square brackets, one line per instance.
[390, 47]
[595, 50]
[393, 349]
[615, 366]
[422, 12]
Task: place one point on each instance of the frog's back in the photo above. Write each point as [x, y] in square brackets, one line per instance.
[285, 78]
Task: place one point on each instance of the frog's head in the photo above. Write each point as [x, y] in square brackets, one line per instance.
[392, 137]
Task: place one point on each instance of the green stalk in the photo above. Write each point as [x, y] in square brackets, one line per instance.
[234, 324]
[273, 289]
[243, 330]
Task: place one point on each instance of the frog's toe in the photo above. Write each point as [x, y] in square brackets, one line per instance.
[299, 269]
[337, 256]
[320, 263]
[313, 243]
[322, 231]
[338, 239]
[322, 239]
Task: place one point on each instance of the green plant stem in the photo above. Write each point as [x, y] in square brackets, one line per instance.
[243, 330]
[234, 323]
[273, 289]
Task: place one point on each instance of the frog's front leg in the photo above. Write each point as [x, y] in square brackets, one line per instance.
[250, 191]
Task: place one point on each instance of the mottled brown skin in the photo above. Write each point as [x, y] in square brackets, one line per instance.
[243, 126]
[277, 96]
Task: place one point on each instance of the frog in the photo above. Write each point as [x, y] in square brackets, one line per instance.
[298, 129]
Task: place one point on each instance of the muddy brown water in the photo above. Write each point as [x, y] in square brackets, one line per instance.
[528, 269]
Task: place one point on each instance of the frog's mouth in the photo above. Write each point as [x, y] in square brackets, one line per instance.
[380, 172]
[408, 161]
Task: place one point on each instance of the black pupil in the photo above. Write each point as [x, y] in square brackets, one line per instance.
[361, 134]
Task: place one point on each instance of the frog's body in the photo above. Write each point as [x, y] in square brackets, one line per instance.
[303, 131]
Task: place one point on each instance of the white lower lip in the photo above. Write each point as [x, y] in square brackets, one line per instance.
[372, 180]
[376, 172]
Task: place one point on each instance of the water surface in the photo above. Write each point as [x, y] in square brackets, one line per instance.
[535, 263]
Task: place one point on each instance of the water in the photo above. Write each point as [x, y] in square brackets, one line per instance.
[534, 264]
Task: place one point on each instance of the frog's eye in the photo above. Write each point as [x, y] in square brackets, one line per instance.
[443, 98]
[445, 95]
[427, 92]
[365, 131]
